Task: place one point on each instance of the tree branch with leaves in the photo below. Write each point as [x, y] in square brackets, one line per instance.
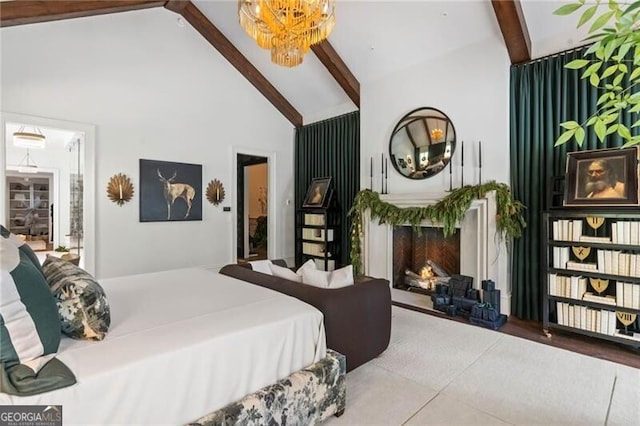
[612, 64]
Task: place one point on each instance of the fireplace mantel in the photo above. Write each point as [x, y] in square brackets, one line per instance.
[483, 255]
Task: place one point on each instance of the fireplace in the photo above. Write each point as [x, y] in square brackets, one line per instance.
[482, 255]
[423, 257]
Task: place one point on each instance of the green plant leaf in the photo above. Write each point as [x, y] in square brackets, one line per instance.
[624, 49]
[609, 48]
[576, 64]
[587, 14]
[601, 21]
[624, 132]
[631, 142]
[610, 70]
[617, 80]
[635, 73]
[612, 129]
[633, 6]
[579, 136]
[570, 125]
[567, 9]
[601, 129]
[593, 68]
[564, 137]
[594, 80]
[610, 118]
[636, 124]
[623, 68]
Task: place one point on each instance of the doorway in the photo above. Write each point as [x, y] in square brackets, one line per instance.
[252, 207]
[43, 199]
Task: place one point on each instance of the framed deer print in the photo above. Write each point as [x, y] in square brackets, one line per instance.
[170, 191]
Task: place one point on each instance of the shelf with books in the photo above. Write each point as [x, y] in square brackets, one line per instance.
[591, 270]
[28, 205]
[317, 231]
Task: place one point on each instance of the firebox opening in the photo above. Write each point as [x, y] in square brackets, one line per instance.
[425, 258]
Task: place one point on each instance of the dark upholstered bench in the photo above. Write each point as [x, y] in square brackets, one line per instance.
[357, 318]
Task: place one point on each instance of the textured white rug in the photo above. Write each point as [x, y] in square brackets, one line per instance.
[443, 372]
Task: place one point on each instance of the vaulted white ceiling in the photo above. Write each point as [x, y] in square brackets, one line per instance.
[374, 38]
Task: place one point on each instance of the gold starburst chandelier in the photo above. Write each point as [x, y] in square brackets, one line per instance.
[287, 27]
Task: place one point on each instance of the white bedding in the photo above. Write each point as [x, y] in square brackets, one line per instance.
[183, 343]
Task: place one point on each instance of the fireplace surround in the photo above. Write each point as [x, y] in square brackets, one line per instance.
[483, 255]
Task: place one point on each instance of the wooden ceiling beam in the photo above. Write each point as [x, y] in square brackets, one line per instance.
[31, 12]
[338, 69]
[201, 24]
[514, 29]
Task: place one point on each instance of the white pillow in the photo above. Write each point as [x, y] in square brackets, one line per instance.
[309, 264]
[341, 277]
[281, 272]
[316, 278]
[326, 279]
[263, 266]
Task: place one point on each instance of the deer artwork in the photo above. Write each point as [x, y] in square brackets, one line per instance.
[172, 191]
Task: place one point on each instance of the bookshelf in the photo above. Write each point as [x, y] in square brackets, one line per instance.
[317, 237]
[28, 205]
[591, 273]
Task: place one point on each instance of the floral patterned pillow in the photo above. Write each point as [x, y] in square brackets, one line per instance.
[82, 303]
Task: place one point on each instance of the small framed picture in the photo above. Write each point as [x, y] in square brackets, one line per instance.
[317, 192]
[602, 177]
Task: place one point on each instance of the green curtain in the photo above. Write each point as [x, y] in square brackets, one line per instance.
[542, 95]
[330, 148]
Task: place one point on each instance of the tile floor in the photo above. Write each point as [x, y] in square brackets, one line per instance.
[441, 372]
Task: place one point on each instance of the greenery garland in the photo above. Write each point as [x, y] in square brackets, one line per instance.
[448, 211]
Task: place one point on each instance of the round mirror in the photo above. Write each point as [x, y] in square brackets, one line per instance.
[422, 143]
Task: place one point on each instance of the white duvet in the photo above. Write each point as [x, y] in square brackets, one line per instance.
[183, 343]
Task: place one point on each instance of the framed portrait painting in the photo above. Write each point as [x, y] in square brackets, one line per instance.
[170, 191]
[602, 177]
[318, 193]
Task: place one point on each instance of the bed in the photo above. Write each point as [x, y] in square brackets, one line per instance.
[183, 344]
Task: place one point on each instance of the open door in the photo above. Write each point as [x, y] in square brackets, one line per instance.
[252, 209]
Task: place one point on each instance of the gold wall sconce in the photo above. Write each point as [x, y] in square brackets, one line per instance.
[215, 192]
[120, 189]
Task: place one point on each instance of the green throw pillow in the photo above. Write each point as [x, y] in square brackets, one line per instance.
[83, 308]
[29, 326]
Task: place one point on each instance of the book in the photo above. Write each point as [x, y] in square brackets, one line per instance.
[628, 294]
[591, 239]
[626, 232]
[619, 293]
[560, 313]
[607, 300]
[634, 228]
[576, 230]
[582, 266]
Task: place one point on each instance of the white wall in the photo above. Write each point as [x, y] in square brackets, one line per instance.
[471, 86]
[153, 90]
